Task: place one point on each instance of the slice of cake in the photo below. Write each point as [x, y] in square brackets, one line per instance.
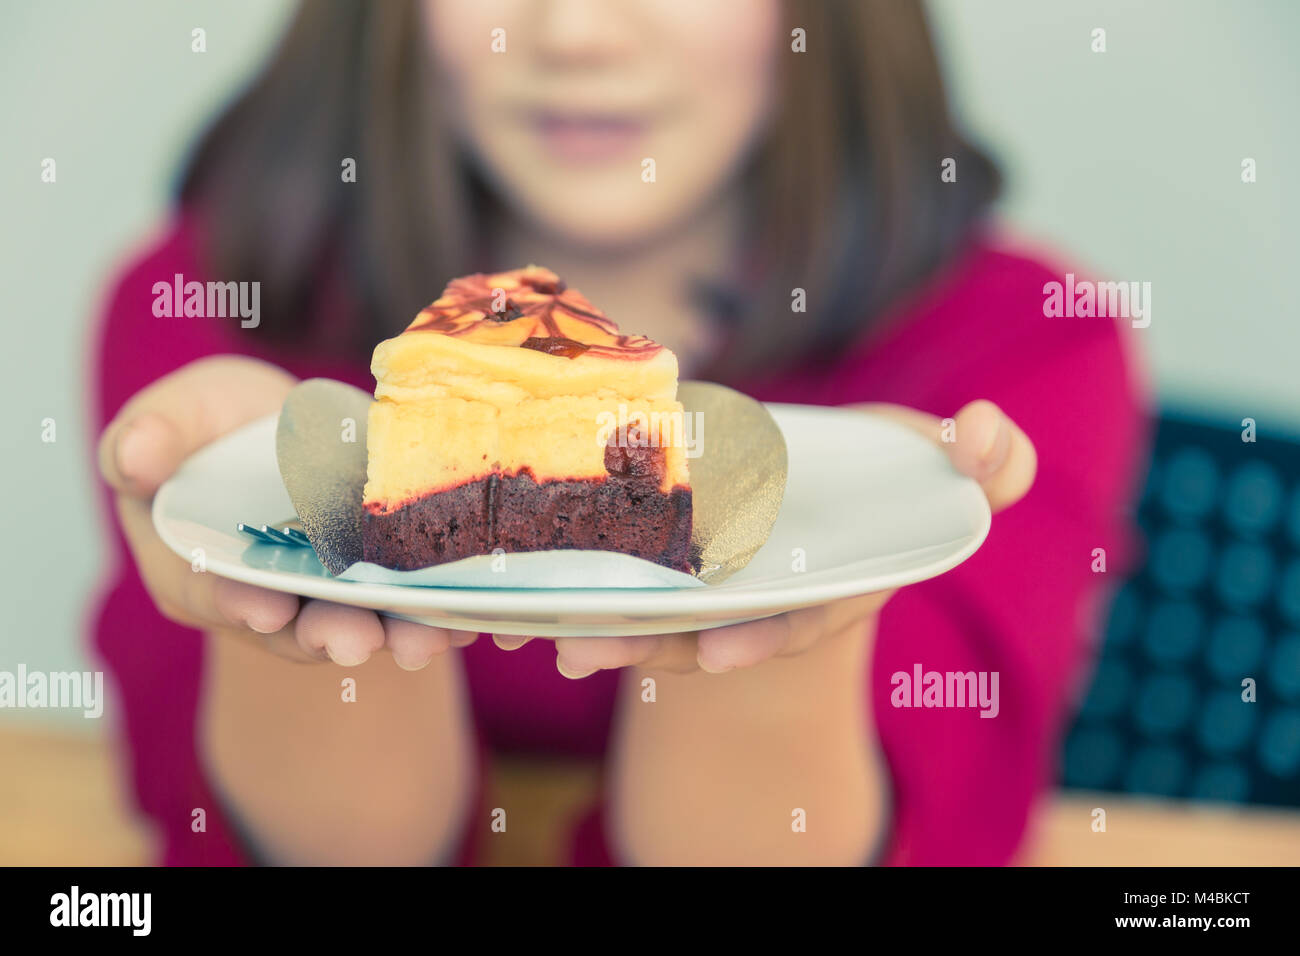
[512, 415]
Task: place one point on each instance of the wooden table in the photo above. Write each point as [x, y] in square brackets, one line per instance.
[63, 802]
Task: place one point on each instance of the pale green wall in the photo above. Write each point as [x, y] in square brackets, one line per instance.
[1131, 161]
[112, 92]
[1127, 162]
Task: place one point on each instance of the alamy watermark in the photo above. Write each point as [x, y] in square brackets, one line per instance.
[209, 300]
[652, 429]
[1086, 300]
[63, 690]
[133, 911]
[922, 688]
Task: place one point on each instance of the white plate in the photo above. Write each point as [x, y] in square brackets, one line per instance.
[869, 505]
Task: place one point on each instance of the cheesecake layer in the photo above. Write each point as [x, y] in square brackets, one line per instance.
[501, 421]
[418, 446]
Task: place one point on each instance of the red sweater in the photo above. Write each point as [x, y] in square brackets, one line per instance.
[962, 786]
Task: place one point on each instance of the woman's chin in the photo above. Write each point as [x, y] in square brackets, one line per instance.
[599, 227]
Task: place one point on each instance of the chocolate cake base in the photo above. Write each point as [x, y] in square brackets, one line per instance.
[516, 513]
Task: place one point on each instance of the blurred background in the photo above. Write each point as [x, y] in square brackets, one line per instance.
[1126, 163]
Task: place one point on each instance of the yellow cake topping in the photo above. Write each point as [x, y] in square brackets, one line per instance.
[507, 373]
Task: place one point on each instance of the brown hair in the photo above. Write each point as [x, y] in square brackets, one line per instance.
[847, 201]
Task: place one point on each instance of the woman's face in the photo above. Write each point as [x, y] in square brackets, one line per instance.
[606, 121]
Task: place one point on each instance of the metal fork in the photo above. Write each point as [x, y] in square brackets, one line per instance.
[290, 537]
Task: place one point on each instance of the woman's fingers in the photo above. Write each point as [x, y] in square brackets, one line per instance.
[144, 445]
[141, 452]
[509, 642]
[717, 650]
[163, 424]
[350, 635]
[346, 635]
[260, 610]
[577, 657]
[982, 442]
[983, 439]
[722, 649]
[993, 450]
[180, 593]
[413, 645]
[783, 635]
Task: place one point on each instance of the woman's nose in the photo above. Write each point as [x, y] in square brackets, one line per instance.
[578, 32]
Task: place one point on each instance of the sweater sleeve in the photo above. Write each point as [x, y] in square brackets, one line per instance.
[1024, 605]
[155, 664]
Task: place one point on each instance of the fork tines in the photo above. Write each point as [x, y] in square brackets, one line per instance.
[290, 537]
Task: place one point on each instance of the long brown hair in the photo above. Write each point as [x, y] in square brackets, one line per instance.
[847, 201]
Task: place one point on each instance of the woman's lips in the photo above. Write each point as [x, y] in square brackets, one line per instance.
[589, 139]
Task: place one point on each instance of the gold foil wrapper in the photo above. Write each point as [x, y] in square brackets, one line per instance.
[737, 472]
[320, 445]
[738, 480]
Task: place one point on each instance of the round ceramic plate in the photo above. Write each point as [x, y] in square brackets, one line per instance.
[869, 505]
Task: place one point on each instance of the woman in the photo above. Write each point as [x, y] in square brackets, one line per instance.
[694, 169]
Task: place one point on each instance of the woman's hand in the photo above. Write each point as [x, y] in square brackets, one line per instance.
[983, 443]
[140, 449]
